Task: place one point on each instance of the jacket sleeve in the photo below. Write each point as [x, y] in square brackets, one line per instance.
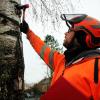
[49, 56]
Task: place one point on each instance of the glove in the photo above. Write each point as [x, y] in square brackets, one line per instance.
[24, 27]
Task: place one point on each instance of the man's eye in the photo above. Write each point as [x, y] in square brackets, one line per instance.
[69, 30]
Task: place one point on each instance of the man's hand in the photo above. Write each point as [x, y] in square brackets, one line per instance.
[24, 27]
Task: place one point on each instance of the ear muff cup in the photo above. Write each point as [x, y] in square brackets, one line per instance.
[89, 41]
[81, 38]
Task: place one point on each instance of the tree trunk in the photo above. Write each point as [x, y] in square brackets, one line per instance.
[11, 54]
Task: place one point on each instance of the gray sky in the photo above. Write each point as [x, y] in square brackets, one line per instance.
[35, 68]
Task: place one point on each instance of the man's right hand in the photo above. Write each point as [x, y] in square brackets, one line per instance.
[24, 27]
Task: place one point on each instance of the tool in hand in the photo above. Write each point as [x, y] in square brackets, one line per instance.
[23, 8]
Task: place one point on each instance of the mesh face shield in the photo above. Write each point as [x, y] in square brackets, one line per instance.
[72, 19]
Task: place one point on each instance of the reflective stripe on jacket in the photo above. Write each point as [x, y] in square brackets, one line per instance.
[74, 82]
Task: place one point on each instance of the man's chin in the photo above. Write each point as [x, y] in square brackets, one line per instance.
[68, 46]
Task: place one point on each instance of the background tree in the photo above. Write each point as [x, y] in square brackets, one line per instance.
[53, 43]
[11, 55]
[48, 11]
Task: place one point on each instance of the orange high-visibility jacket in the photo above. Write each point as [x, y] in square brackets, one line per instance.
[74, 82]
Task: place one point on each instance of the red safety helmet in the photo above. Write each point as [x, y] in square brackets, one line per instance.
[83, 22]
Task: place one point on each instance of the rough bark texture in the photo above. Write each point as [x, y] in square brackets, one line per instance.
[11, 55]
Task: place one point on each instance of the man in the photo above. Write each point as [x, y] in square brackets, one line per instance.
[76, 72]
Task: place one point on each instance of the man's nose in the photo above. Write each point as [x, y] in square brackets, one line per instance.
[66, 33]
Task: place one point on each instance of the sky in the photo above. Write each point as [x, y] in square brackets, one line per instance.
[35, 68]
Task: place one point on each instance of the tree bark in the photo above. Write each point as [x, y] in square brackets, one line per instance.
[11, 53]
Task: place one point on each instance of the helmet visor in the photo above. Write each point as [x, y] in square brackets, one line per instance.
[73, 18]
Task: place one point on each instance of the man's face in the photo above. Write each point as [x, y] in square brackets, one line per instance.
[69, 37]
